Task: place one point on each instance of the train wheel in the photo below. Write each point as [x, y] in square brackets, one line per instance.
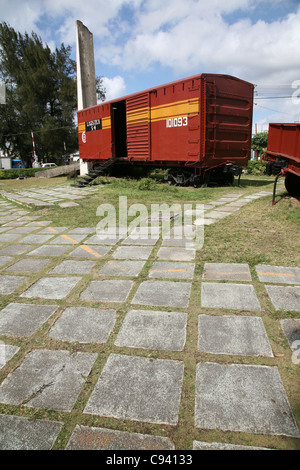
[292, 184]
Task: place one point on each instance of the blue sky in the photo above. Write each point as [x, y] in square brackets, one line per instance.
[143, 43]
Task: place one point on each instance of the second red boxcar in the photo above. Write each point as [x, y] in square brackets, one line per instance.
[195, 126]
[283, 155]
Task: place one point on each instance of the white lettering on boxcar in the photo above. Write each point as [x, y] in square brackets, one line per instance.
[177, 122]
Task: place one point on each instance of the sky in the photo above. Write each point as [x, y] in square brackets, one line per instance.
[139, 44]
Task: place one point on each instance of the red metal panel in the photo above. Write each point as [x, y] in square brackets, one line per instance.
[284, 142]
[138, 127]
[228, 120]
[94, 133]
[175, 129]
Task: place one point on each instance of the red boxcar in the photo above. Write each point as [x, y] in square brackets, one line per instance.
[193, 126]
[283, 155]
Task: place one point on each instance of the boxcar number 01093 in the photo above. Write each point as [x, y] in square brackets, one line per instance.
[177, 122]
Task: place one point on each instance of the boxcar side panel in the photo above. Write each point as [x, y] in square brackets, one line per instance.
[229, 104]
[284, 143]
[94, 133]
[175, 122]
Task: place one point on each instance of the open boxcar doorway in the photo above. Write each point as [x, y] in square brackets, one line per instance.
[119, 131]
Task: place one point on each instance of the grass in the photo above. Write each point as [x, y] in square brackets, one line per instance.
[257, 233]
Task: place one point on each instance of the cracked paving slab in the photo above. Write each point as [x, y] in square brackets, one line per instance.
[47, 379]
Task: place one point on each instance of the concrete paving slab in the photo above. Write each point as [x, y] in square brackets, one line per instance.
[226, 272]
[67, 239]
[198, 445]
[5, 259]
[151, 231]
[239, 203]
[245, 336]
[291, 330]
[228, 208]
[163, 293]
[103, 240]
[133, 252]
[204, 221]
[180, 231]
[186, 242]
[227, 199]
[285, 297]
[68, 204]
[7, 351]
[8, 237]
[230, 296]
[91, 438]
[217, 214]
[176, 254]
[163, 216]
[73, 267]
[87, 230]
[24, 319]
[85, 325]
[122, 268]
[8, 284]
[15, 250]
[30, 265]
[18, 433]
[107, 291]
[138, 388]
[51, 287]
[246, 398]
[153, 330]
[48, 379]
[36, 239]
[172, 270]
[39, 223]
[53, 230]
[198, 212]
[140, 240]
[90, 251]
[217, 203]
[49, 250]
[22, 230]
[278, 274]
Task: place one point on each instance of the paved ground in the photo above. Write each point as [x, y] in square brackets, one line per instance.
[100, 331]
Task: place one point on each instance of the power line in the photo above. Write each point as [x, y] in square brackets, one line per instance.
[275, 110]
[40, 131]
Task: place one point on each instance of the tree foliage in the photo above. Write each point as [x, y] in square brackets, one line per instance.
[40, 96]
[259, 143]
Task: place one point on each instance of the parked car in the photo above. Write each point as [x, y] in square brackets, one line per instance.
[48, 165]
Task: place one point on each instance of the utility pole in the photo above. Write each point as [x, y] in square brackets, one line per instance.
[35, 158]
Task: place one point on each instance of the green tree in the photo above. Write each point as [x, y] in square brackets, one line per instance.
[41, 96]
[259, 143]
[100, 90]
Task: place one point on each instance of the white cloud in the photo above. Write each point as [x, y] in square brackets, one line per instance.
[115, 87]
[203, 40]
[190, 36]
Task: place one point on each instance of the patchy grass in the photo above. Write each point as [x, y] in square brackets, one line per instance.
[257, 233]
